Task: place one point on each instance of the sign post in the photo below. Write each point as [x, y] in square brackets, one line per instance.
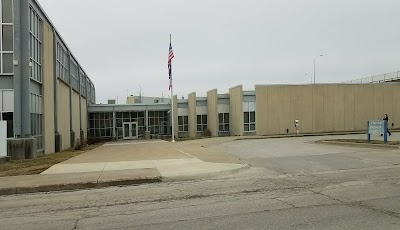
[3, 138]
[378, 127]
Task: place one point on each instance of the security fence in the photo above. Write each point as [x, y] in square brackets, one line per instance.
[387, 77]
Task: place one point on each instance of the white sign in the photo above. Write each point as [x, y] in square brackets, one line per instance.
[3, 138]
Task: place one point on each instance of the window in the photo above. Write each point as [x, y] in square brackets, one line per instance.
[37, 119]
[87, 88]
[201, 123]
[101, 124]
[6, 37]
[183, 123]
[74, 75]
[249, 121]
[82, 77]
[158, 122]
[62, 63]
[35, 45]
[223, 119]
[7, 110]
[92, 94]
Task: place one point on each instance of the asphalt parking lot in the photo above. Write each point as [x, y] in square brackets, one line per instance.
[301, 155]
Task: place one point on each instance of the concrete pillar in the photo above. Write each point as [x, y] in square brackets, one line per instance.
[192, 116]
[175, 108]
[212, 111]
[236, 110]
[23, 91]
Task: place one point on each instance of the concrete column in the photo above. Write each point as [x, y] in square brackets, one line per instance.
[146, 119]
[23, 96]
[236, 110]
[212, 111]
[192, 115]
[175, 108]
[114, 125]
[146, 123]
[18, 54]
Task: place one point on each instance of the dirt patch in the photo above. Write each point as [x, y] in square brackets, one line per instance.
[361, 141]
[36, 166]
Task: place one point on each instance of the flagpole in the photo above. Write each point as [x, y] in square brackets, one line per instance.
[172, 101]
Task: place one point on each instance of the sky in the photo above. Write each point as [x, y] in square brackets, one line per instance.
[123, 44]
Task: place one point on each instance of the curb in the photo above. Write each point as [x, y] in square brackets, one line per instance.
[360, 145]
[110, 183]
[303, 135]
[203, 176]
[77, 186]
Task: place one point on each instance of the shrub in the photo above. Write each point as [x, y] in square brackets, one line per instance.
[207, 133]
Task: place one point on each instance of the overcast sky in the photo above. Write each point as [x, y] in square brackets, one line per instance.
[123, 44]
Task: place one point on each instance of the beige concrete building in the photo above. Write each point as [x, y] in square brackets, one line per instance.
[45, 88]
[270, 110]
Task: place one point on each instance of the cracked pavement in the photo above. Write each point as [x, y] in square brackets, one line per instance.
[292, 184]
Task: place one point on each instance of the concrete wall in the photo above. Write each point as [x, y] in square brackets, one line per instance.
[236, 110]
[63, 114]
[192, 115]
[84, 116]
[48, 89]
[212, 111]
[76, 126]
[325, 108]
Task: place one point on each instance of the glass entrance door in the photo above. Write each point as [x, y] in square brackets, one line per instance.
[130, 130]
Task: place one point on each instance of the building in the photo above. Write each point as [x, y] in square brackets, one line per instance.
[44, 91]
[49, 104]
[268, 110]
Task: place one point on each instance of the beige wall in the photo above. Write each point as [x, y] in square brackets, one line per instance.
[192, 115]
[175, 108]
[84, 117]
[76, 125]
[48, 89]
[212, 111]
[63, 114]
[236, 110]
[325, 108]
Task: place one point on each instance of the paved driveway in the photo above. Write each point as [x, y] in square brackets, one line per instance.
[302, 155]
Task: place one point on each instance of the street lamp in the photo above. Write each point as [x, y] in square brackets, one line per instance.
[306, 75]
[314, 64]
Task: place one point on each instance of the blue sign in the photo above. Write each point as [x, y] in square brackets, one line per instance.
[378, 127]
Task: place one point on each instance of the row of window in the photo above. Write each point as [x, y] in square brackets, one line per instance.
[35, 45]
[158, 122]
[37, 119]
[6, 37]
[70, 76]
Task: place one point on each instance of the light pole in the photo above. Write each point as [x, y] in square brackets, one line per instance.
[306, 75]
[314, 65]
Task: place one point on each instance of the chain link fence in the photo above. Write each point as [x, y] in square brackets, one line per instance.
[395, 76]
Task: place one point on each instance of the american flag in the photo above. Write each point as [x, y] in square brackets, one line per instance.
[170, 56]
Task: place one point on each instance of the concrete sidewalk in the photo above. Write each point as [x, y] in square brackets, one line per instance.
[127, 163]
